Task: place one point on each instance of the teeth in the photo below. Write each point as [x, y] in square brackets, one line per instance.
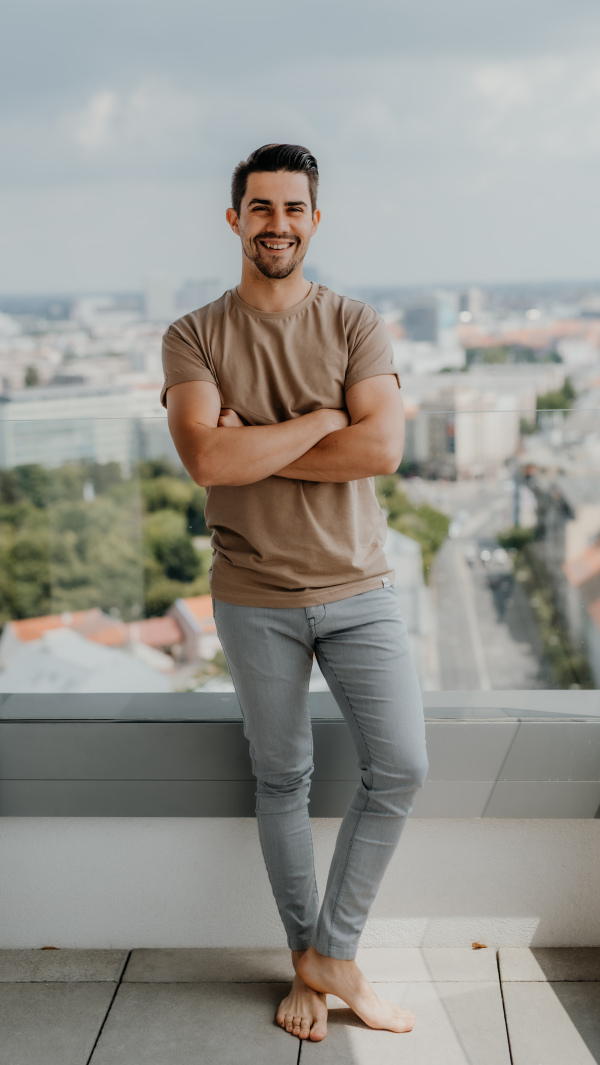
[277, 247]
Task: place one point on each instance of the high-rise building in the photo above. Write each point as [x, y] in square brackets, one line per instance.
[194, 293]
[471, 304]
[160, 305]
[421, 320]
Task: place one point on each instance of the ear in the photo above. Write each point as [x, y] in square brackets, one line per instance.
[316, 218]
[232, 217]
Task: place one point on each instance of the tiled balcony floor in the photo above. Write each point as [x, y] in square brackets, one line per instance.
[178, 1007]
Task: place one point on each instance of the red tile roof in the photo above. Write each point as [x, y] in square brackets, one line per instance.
[34, 628]
[594, 612]
[201, 607]
[472, 335]
[581, 569]
[101, 628]
[156, 632]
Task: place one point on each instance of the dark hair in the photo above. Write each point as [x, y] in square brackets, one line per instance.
[270, 158]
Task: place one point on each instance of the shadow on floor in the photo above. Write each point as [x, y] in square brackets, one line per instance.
[575, 985]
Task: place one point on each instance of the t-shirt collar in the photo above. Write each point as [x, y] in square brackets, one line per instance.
[287, 313]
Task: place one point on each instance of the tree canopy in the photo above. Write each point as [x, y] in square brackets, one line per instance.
[86, 534]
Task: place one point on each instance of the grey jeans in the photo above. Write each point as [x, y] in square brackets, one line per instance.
[362, 648]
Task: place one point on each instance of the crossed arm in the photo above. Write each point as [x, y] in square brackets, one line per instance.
[325, 445]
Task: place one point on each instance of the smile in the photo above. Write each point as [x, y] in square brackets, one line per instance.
[276, 247]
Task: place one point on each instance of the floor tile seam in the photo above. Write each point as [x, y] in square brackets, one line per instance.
[507, 1029]
[108, 1010]
[58, 980]
[559, 980]
[205, 983]
[211, 981]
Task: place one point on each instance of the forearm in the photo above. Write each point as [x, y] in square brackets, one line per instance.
[347, 455]
[239, 456]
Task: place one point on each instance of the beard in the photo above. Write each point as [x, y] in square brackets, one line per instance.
[273, 266]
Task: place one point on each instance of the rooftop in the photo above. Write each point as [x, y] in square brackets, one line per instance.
[101, 628]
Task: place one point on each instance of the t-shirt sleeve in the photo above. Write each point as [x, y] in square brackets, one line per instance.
[370, 350]
[183, 358]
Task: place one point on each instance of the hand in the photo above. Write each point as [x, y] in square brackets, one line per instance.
[229, 419]
[337, 419]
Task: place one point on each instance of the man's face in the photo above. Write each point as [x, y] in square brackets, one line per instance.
[276, 222]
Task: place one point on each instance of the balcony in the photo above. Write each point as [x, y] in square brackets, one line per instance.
[125, 789]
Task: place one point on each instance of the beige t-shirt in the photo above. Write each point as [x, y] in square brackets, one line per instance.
[282, 542]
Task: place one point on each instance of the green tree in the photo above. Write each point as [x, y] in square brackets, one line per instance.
[516, 537]
[560, 399]
[127, 549]
[423, 523]
[167, 538]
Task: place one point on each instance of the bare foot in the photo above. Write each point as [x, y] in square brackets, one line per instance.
[344, 979]
[303, 1012]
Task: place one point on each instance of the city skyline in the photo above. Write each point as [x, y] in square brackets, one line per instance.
[456, 144]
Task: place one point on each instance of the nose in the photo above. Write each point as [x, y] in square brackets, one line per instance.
[280, 220]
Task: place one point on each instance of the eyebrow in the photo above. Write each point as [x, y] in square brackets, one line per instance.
[288, 203]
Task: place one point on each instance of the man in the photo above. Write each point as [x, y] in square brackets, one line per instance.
[283, 401]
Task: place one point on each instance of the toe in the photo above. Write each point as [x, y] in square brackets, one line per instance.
[305, 1028]
[318, 1031]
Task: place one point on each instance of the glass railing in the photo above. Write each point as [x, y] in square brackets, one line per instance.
[493, 533]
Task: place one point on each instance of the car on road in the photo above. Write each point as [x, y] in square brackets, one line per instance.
[498, 566]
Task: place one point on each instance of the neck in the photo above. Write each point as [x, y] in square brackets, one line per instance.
[269, 293]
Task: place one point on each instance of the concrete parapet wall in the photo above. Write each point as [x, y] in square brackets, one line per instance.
[200, 882]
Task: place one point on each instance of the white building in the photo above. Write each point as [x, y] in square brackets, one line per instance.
[423, 357]
[427, 341]
[577, 352]
[71, 423]
[463, 432]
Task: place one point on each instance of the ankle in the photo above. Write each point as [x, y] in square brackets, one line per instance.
[296, 955]
[330, 961]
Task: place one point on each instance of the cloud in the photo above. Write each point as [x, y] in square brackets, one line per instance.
[545, 108]
[92, 126]
[454, 140]
[150, 116]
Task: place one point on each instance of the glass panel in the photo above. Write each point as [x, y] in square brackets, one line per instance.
[104, 560]
[493, 533]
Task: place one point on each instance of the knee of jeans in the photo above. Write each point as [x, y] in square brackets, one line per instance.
[408, 771]
[275, 797]
[284, 784]
[419, 770]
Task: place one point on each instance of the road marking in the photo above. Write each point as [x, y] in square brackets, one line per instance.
[469, 599]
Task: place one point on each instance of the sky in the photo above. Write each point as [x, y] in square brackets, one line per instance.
[458, 141]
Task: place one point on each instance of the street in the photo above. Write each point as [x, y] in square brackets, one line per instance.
[482, 638]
